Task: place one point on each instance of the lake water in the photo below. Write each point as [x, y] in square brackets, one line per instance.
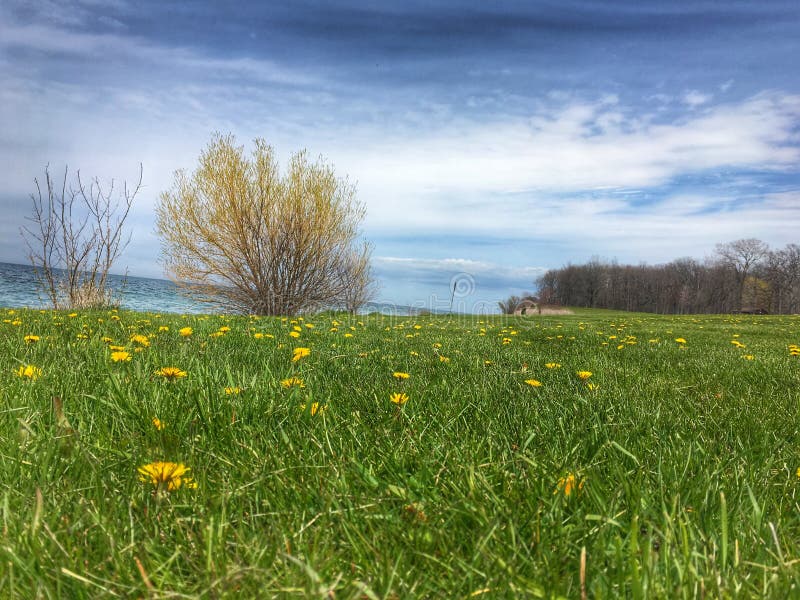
[18, 289]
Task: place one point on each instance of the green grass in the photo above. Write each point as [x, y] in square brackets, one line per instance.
[687, 456]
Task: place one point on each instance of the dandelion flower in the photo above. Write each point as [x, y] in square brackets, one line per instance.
[300, 353]
[185, 331]
[444, 359]
[552, 365]
[232, 391]
[171, 373]
[141, 340]
[680, 340]
[158, 423]
[533, 382]
[29, 372]
[258, 335]
[120, 356]
[400, 375]
[293, 382]
[584, 375]
[294, 334]
[166, 475]
[398, 398]
[315, 408]
[568, 485]
[31, 339]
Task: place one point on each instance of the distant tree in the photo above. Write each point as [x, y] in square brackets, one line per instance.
[742, 256]
[508, 306]
[359, 287]
[75, 237]
[257, 241]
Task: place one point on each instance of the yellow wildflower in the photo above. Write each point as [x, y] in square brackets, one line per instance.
[584, 375]
[293, 382]
[29, 371]
[141, 340]
[158, 423]
[533, 382]
[166, 475]
[568, 484]
[31, 339]
[400, 375]
[315, 408]
[120, 356]
[552, 365]
[680, 340]
[398, 398]
[171, 373]
[185, 331]
[294, 334]
[300, 353]
[232, 391]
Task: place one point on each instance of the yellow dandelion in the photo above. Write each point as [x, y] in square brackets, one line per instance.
[232, 391]
[316, 408]
[444, 359]
[398, 398]
[158, 423]
[748, 357]
[224, 329]
[680, 340]
[141, 340]
[584, 375]
[552, 365]
[171, 373]
[592, 386]
[185, 331]
[300, 353]
[120, 356]
[568, 484]
[400, 375]
[31, 339]
[533, 382]
[29, 372]
[166, 475]
[163, 328]
[258, 335]
[293, 382]
[294, 334]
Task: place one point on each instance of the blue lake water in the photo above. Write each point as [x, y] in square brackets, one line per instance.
[18, 289]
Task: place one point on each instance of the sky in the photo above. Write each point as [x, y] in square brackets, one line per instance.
[489, 140]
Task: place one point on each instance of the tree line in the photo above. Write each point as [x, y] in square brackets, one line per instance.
[741, 276]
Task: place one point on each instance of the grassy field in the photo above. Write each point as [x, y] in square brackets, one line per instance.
[429, 457]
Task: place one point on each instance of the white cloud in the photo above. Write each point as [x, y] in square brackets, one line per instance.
[693, 98]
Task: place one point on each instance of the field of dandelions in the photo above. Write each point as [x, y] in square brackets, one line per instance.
[593, 455]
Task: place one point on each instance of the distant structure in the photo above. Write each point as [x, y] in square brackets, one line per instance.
[527, 307]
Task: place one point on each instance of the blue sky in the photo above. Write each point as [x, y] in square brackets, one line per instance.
[489, 140]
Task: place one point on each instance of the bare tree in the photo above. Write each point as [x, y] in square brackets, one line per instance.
[742, 256]
[358, 284]
[256, 241]
[75, 237]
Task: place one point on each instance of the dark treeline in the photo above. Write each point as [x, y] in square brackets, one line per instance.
[745, 275]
